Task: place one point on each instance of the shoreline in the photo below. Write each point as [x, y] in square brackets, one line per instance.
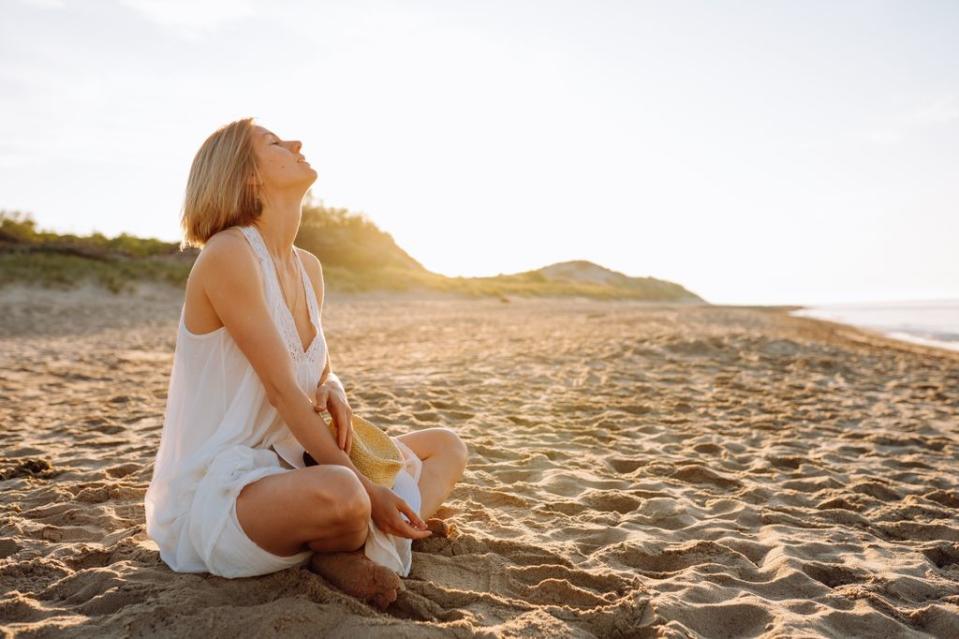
[829, 314]
[877, 339]
[92, 296]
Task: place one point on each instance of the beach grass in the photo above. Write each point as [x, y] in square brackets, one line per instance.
[357, 257]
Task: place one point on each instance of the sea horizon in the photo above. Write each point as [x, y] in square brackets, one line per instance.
[931, 322]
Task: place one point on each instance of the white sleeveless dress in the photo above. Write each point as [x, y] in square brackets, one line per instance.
[220, 433]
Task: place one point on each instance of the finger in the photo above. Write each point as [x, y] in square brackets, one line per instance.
[349, 442]
[405, 529]
[409, 512]
[348, 434]
[335, 420]
[342, 426]
[321, 398]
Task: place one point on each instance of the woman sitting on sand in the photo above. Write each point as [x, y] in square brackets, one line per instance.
[231, 493]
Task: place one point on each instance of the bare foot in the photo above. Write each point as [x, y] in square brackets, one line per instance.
[444, 533]
[355, 574]
[440, 527]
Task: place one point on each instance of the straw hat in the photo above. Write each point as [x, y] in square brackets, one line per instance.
[374, 453]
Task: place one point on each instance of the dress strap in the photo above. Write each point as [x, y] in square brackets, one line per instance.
[256, 241]
[267, 269]
[282, 317]
[310, 296]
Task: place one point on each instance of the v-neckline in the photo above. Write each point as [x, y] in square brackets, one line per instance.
[303, 283]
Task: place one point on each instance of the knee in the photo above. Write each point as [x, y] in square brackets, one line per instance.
[344, 498]
[456, 447]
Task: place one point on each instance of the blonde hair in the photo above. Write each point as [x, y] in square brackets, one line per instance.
[218, 194]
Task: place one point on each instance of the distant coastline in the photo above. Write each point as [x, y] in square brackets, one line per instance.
[925, 322]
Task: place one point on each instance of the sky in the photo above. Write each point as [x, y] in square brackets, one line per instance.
[755, 152]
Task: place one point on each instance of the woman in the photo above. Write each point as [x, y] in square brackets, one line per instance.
[230, 493]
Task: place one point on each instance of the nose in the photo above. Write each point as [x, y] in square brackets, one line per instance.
[296, 146]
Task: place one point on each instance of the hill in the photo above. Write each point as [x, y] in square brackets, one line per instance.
[356, 255]
[585, 271]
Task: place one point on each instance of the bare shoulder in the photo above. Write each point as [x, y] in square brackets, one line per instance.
[226, 252]
[223, 263]
[315, 270]
[226, 243]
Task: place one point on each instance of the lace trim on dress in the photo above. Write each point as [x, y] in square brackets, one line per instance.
[274, 294]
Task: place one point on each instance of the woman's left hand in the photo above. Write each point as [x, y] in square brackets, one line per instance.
[332, 398]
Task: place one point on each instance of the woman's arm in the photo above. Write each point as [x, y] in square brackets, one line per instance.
[331, 396]
[232, 283]
[329, 376]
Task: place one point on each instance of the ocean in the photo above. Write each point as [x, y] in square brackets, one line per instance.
[933, 322]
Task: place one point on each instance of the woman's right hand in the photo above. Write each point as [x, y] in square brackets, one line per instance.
[387, 510]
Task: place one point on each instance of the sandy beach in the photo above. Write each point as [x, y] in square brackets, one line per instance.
[636, 471]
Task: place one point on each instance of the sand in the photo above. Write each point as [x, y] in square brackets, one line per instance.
[636, 471]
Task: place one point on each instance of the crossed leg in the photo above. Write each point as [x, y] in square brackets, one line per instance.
[444, 457]
[326, 509]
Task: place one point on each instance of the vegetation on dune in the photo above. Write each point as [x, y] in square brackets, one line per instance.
[356, 255]
[350, 241]
[32, 256]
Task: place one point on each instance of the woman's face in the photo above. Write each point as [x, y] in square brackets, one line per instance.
[282, 167]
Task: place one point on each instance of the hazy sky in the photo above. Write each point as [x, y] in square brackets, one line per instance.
[755, 152]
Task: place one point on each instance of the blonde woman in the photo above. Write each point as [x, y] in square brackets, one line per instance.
[231, 492]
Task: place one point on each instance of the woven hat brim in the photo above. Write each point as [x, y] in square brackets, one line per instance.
[374, 453]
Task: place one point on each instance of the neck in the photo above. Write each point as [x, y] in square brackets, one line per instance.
[278, 224]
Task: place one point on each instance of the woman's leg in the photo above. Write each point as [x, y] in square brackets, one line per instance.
[285, 513]
[326, 509]
[343, 542]
[444, 458]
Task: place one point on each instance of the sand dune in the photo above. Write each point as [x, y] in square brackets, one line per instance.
[636, 471]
